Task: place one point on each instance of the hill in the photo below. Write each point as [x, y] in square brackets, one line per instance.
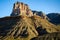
[25, 27]
[54, 18]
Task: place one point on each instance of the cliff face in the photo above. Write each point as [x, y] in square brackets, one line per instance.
[20, 8]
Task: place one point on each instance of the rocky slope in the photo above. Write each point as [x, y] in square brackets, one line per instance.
[51, 36]
[20, 26]
[25, 27]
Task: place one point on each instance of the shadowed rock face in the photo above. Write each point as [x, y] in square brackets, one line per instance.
[20, 8]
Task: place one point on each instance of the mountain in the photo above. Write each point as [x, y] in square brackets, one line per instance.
[23, 24]
[54, 18]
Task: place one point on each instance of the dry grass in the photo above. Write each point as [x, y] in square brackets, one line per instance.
[19, 24]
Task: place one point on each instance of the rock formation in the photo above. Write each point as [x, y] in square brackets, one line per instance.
[20, 8]
[40, 13]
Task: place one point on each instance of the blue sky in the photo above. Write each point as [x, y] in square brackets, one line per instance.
[47, 6]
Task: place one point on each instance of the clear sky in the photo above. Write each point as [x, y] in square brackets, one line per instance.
[47, 6]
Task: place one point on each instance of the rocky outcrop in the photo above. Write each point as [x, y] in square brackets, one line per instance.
[40, 13]
[20, 8]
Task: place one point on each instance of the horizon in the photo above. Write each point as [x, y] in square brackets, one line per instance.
[46, 6]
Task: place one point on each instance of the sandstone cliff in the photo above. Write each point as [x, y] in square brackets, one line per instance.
[20, 8]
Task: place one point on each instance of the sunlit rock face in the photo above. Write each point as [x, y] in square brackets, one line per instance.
[20, 8]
